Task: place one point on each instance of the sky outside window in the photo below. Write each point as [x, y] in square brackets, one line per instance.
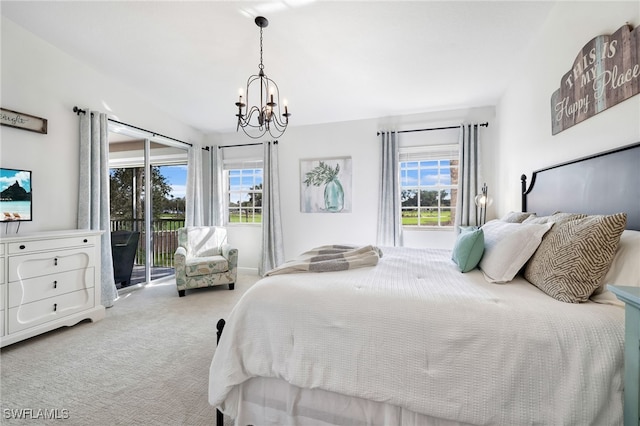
[241, 182]
[176, 177]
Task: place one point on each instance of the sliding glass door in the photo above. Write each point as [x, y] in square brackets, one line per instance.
[141, 166]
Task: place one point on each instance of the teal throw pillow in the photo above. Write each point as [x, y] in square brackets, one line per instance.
[468, 249]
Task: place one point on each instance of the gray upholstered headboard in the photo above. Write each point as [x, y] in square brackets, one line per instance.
[604, 183]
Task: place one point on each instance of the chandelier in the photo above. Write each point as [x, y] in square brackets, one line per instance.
[258, 119]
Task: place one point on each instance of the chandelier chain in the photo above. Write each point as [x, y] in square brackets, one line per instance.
[261, 66]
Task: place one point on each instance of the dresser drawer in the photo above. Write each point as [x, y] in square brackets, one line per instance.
[33, 289]
[51, 244]
[3, 289]
[1, 270]
[35, 313]
[39, 264]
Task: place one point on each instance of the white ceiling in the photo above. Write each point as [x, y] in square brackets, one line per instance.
[333, 60]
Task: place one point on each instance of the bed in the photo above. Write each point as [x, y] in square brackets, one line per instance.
[413, 340]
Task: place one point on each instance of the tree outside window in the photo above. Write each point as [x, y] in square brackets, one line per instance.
[244, 195]
[127, 194]
[428, 192]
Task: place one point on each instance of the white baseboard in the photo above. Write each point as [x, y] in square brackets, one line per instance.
[246, 270]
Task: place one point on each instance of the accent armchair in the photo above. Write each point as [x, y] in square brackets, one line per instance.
[204, 258]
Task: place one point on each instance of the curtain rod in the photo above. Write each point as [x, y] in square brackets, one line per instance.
[244, 144]
[79, 111]
[435, 128]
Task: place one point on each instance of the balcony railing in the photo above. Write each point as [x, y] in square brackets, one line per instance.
[164, 239]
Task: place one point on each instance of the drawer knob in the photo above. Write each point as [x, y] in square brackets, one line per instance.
[22, 247]
[55, 261]
[55, 307]
[85, 240]
[55, 284]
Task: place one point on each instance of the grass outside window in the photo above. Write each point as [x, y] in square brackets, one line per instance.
[428, 192]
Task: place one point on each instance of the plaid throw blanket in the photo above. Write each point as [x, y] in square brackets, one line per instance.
[330, 258]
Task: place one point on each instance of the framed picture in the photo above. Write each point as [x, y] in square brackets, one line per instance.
[23, 121]
[325, 185]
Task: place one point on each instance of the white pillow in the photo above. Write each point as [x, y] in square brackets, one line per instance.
[516, 217]
[624, 269]
[507, 247]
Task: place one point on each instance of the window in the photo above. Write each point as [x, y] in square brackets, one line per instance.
[244, 195]
[428, 185]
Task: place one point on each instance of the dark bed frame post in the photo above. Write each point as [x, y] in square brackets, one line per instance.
[523, 192]
[219, 327]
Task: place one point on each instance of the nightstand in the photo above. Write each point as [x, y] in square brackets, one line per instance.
[631, 297]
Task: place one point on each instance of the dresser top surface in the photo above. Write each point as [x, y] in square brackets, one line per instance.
[48, 235]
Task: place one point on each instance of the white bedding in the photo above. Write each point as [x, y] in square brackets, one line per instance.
[416, 333]
[274, 402]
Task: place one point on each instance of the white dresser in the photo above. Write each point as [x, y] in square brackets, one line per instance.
[48, 280]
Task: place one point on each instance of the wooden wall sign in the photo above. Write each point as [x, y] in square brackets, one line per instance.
[605, 72]
[23, 121]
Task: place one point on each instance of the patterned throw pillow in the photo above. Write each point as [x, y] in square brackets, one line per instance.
[574, 256]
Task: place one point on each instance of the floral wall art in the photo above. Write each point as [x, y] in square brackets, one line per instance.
[325, 185]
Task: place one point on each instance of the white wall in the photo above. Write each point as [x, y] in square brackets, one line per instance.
[517, 141]
[524, 112]
[41, 80]
[358, 140]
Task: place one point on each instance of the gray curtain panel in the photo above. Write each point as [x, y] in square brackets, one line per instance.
[389, 208]
[469, 176]
[216, 200]
[93, 195]
[194, 208]
[272, 245]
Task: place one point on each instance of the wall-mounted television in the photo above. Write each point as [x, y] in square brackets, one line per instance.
[15, 195]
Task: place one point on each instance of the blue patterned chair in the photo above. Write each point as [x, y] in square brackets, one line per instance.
[204, 258]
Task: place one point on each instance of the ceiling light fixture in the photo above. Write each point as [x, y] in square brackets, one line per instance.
[258, 119]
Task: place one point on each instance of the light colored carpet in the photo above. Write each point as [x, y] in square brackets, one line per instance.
[146, 363]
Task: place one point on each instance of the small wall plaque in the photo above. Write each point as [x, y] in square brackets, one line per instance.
[23, 121]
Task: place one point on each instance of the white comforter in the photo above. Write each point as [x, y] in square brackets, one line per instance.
[415, 332]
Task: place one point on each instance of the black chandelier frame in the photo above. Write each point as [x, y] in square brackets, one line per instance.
[265, 117]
